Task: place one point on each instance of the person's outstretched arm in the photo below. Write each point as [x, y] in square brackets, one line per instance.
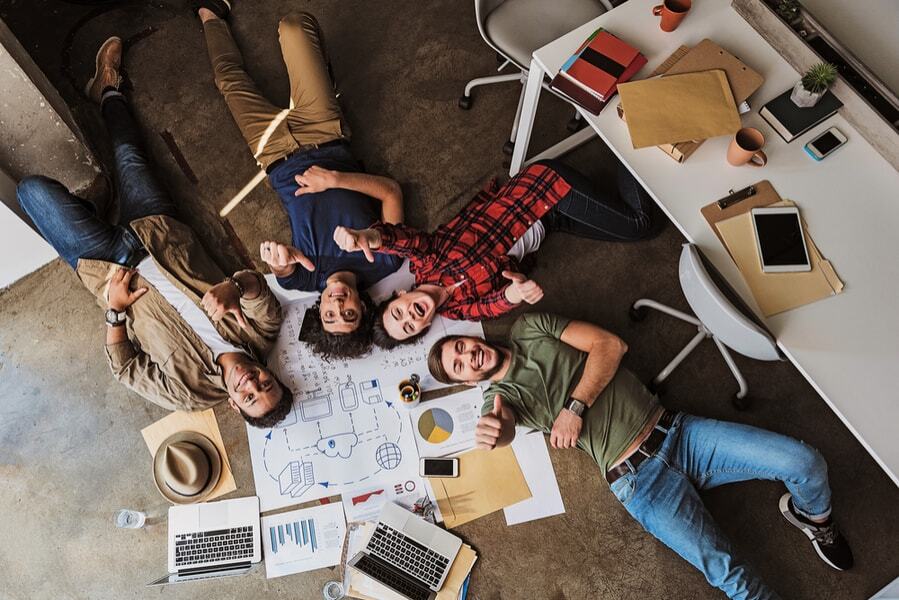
[383, 189]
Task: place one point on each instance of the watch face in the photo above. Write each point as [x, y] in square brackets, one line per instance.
[113, 317]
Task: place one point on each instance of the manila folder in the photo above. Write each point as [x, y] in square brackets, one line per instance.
[679, 108]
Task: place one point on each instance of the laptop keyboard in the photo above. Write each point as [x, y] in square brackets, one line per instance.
[214, 546]
[408, 555]
[378, 572]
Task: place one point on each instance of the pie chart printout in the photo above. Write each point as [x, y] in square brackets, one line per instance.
[435, 425]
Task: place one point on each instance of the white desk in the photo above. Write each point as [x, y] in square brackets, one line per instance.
[847, 346]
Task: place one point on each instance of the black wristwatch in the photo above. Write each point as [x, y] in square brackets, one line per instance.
[576, 406]
[236, 284]
[115, 318]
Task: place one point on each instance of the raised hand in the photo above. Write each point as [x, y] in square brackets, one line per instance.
[282, 257]
[566, 429]
[316, 179]
[522, 289]
[120, 295]
[356, 240]
[222, 299]
[496, 428]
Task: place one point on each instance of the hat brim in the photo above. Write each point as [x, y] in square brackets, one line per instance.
[215, 467]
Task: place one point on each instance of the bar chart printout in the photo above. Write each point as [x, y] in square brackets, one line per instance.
[303, 540]
[298, 533]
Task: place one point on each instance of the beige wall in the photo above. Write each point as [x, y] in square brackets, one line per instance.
[37, 135]
[868, 28]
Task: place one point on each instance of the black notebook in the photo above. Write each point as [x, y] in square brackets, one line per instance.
[790, 121]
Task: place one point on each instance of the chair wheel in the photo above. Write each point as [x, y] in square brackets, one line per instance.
[741, 403]
[658, 389]
[465, 102]
[637, 314]
[509, 148]
[575, 125]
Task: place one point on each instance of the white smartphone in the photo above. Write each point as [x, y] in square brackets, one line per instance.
[780, 239]
[439, 467]
[825, 144]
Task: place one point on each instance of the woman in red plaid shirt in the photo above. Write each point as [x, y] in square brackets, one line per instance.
[469, 268]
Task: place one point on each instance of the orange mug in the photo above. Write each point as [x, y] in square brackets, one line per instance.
[746, 148]
[672, 13]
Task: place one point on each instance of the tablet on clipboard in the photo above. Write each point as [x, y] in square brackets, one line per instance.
[780, 239]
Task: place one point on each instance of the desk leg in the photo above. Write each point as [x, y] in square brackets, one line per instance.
[528, 111]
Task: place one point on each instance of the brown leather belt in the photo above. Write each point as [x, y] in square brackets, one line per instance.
[303, 148]
[649, 447]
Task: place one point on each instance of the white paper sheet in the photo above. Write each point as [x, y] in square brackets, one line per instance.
[446, 425]
[345, 429]
[364, 503]
[533, 458]
[303, 540]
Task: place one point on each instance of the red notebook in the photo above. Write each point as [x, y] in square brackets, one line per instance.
[604, 62]
[587, 98]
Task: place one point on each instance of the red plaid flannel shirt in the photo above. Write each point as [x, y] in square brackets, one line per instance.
[468, 255]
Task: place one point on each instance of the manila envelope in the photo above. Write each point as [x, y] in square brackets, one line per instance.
[202, 422]
[488, 481]
[679, 108]
[777, 292]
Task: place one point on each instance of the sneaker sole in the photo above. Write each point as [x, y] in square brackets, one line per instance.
[90, 84]
[784, 506]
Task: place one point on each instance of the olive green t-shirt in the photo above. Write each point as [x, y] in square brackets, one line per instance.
[543, 373]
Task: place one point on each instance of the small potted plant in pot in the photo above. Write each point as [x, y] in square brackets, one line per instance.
[813, 85]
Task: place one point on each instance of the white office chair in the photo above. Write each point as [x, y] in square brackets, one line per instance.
[515, 28]
[716, 318]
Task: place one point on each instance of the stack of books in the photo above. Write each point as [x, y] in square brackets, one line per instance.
[790, 121]
[590, 77]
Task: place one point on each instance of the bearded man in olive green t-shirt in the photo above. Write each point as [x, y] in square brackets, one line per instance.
[562, 377]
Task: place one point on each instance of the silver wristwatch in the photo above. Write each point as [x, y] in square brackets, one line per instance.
[115, 318]
[576, 406]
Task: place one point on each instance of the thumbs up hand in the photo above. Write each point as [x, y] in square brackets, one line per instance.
[496, 428]
[522, 289]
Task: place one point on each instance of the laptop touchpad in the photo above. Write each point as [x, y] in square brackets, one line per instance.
[214, 516]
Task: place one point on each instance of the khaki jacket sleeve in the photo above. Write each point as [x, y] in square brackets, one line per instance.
[139, 373]
[263, 311]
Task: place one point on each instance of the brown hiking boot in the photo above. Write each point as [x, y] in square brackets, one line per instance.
[109, 60]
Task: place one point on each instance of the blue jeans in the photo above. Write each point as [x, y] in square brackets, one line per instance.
[587, 212]
[72, 226]
[699, 454]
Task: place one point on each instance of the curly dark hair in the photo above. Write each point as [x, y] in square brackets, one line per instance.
[339, 345]
[379, 334]
[275, 415]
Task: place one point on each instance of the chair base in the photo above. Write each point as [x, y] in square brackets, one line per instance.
[639, 311]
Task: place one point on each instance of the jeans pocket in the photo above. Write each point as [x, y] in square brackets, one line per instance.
[624, 487]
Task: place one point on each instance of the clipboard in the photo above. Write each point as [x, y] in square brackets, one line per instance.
[773, 292]
[706, 55]
[738, 202]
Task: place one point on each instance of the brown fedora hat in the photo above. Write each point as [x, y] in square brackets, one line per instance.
[186, 467]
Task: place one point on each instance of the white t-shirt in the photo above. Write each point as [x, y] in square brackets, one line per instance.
[189, 311]
[529, 242]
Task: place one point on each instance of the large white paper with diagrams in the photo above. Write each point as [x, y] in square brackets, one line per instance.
[345, 429]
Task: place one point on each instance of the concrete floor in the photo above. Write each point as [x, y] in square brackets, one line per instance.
[70, 448]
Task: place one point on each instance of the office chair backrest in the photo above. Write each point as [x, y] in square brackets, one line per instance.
[482, 8]
[718, 314]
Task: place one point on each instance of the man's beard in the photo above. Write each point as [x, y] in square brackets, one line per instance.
[501, 360]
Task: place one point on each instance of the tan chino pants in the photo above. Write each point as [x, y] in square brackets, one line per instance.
[272, 133]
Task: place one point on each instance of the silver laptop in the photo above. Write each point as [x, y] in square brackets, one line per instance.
[213, 539]
[407, 554]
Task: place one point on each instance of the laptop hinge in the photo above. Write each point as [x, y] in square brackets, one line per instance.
[214, 568]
